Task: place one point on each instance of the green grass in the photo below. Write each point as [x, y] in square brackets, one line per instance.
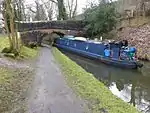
[5, 75]
[13, 86]
[28, 52]
[14, 82]
[25, 51]
[89, 88]
[4, 42]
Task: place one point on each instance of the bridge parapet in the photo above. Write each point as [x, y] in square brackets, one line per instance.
[77, 25]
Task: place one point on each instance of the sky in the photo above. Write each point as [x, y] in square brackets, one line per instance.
[81, 4]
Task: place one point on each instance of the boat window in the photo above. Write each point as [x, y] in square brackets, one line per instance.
[87, 47]
[107, 52]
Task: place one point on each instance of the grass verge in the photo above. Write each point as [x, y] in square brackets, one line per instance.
[13, 86]
[25, 52]
[100, 99]
[15, 82]
[28, 52]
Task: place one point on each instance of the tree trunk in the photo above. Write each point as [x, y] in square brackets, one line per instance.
[12, 32]
[62, 10]
[75, 9]
[10, 11]
[7, 29]
[17, 39]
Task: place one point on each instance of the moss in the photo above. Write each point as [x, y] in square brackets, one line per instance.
[4, 43]
[99, 97]
[28, 52]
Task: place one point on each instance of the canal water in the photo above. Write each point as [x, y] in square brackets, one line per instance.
[132, 86]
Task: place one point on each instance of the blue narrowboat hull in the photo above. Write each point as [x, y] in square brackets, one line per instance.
[106, 60]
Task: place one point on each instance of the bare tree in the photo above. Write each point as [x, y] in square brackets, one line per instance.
[62, 15]
[29, 14]
[49, 8]
[19, 9]
[142, 8]
[72, 8]
[9, 18]
[38, 11]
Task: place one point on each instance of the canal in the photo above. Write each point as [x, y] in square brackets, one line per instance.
[132, 86]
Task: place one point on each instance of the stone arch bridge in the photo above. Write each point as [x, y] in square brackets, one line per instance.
[36, 31]
[77, 25]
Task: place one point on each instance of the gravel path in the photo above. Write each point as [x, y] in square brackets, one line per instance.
[50, 93]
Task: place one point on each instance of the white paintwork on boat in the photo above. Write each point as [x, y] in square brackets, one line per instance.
[80, 38]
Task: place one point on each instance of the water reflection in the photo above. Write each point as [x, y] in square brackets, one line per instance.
[132, 86]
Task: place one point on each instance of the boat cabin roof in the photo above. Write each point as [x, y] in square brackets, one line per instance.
[80, 38]
[75, 38]
[111, 43]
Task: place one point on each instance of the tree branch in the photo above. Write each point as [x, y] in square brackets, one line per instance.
[53, 1]
[75, 9]
[32, 10]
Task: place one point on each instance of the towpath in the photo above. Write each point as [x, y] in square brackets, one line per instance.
[50, 93]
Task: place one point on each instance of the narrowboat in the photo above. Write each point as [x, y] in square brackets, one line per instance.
[112, 53]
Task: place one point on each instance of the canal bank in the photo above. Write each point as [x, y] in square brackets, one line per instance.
[100, 99]
[132, 86]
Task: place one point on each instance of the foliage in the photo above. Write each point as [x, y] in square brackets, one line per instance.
[99, 97]
[101, 19]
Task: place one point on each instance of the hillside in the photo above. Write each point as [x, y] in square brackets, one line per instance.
[138, 37]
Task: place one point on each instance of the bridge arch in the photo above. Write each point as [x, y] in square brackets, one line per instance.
[37, 31]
